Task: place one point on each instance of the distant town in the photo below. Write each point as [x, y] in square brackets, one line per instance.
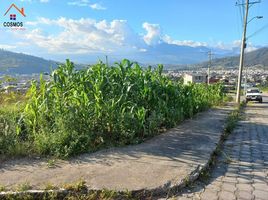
[19, 83]
[252, 76]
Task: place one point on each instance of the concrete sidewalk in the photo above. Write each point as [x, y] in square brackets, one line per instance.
[159, 164]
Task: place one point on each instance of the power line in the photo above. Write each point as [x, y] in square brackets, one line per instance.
[241, 13]
[258, 31]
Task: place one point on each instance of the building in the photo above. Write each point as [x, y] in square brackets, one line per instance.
[195, 78]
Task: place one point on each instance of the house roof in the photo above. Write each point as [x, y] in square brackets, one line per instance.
[195, 74]
[21, 11]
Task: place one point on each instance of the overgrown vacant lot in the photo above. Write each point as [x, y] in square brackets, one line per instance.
[101, 106]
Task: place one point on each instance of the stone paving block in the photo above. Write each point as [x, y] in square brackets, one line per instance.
[228, 179]
[196, 197]
[244, 179]
[217, 174]
[245, 165]
[244, 187]
[223, 195]
[247, 174]
[214, 187]
[259, 194]
[260, 186]
[233, 169]
[231, 175]
[183, 198]
[244, 195]
[259, 173]
[209, 194]
[229, 187]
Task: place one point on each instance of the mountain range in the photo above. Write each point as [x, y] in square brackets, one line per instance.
[177, 56]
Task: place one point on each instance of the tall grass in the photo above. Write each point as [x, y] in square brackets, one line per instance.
[81, 111]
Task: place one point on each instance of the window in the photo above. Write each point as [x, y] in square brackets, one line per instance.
[198, 78]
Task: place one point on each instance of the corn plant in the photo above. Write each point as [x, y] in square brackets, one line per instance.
[81, 111]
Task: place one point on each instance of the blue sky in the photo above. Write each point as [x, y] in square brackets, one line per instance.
[75, 28]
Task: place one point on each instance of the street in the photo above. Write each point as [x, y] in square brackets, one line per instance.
[241, 171]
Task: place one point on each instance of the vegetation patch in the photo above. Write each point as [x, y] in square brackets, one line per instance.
[23, 187]
[98, 107]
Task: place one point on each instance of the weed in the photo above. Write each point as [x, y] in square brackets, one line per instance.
[24, 187]
[50, 186]
[2, 188]
[51, 163]
[228, 159]
[76, 186]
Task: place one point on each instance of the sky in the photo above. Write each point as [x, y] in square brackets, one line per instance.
[57, 29]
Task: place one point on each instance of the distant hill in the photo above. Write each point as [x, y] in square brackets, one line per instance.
[257, 57]
[180, 57]
[19, 63]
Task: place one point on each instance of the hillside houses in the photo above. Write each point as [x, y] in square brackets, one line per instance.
[19, 83]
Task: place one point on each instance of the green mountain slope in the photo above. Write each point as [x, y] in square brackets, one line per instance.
[12, 63]
[258, 57]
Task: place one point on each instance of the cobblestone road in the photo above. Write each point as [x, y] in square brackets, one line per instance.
[241, 171]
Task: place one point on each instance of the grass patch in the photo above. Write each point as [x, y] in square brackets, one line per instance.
[23, 187]
[2, 188]
[76, 187]
[50, 186]
[51, 163]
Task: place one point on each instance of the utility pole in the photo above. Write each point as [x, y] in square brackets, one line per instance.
[106, 60]
[243, 46]
[209, 64]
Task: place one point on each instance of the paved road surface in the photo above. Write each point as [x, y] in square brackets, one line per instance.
[242, 170]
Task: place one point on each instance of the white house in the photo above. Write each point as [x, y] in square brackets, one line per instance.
[195, 78]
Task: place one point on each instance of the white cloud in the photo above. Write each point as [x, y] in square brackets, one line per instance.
[7, 47]
[250, 48]
[97, 6]
[83, 36]
[81, 3]
[42, 1]
[234, 45]
[87, 3]
[143, 50]
[92, 37]
[153, 35]
[190, 43]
